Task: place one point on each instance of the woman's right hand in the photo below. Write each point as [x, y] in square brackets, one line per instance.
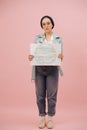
[30, 57]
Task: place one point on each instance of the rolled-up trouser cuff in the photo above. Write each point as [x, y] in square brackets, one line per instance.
[50, 114]
[43, 114]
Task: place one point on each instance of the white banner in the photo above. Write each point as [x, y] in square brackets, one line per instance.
[45, 54]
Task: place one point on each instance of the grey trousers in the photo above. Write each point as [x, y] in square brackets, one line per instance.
[46, 83]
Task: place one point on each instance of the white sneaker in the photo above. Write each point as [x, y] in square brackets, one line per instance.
[42, 123]
[50, 123]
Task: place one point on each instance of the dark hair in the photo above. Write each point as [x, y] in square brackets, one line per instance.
[46, 16]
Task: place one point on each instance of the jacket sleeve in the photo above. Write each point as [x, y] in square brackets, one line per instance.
[33, 67]
[59, 67]
[60, 41]
[36, 40]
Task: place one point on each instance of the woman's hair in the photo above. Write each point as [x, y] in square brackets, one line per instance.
[46, 16]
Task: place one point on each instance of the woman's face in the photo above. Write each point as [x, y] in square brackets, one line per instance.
[47, 25]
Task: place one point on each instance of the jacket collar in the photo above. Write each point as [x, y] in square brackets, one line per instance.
[42, 37]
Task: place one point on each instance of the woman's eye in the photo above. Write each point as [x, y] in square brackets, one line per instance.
[48, 23]
[43, 24]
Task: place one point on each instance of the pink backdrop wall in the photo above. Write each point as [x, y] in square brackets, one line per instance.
[19, 23]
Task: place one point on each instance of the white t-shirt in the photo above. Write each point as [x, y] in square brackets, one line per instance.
[50, 41]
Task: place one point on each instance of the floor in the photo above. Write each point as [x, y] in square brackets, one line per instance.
[27, 119]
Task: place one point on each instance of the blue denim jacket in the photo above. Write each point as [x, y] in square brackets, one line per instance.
[40, 39]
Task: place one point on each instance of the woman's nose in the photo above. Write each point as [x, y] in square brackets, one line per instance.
[46, 25]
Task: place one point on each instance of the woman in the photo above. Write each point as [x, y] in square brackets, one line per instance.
[46, 77]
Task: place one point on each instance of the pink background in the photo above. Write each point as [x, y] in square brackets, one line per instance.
[19, 23]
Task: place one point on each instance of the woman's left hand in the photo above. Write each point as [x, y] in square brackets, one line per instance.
[60, 56]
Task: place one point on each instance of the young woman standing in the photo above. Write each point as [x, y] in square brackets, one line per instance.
[46, 77]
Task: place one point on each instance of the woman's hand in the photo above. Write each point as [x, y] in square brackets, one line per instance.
[30, 57]
[60, 56]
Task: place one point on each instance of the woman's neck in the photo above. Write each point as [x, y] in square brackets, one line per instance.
[48, 36]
